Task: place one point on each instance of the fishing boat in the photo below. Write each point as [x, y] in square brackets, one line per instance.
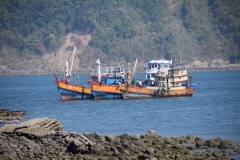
[105, 82]
[173, 83]
[169, 82]
[67, 88]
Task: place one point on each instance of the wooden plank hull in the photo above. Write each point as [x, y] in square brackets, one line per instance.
[134, 92]
[139, 93]
[174, 93]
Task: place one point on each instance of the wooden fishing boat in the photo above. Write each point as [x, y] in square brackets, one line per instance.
[105, 82]
[67, 88]
[168, 83]
[69, 91]
[173, 83]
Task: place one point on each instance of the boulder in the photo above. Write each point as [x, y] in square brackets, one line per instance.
[37, 128]
[199, 142]
[151, 133]
[224, 144]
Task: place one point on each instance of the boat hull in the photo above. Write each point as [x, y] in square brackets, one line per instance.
[104, 91]
[186, 92]
[66, 94]
[134, 92]
[135, 95]
[70, 91]
[106, 95]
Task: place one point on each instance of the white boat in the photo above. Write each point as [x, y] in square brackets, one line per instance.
[155, 66]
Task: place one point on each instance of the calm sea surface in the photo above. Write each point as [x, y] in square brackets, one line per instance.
[213, 111]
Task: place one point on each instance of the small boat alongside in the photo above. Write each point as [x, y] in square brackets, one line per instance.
[68, 89]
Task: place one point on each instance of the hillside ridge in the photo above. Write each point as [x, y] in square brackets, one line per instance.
[37, 38]
[54, 63]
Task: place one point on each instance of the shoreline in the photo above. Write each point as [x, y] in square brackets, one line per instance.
[45, 138]
[46, 73]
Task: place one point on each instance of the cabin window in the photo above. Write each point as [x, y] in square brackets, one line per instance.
[152, 65]
[163, 84]
[155, 65]
[149, 66]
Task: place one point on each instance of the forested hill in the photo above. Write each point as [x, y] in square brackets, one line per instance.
[32, 32]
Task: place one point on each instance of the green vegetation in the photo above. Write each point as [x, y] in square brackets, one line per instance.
[146, 28]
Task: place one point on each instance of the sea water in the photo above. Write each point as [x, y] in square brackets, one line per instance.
[213, 110]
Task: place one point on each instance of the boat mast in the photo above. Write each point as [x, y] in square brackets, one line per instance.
[172, 75]
[135, 65]
[98, 70]
[66, 70]
[180, 58]
[70, 72]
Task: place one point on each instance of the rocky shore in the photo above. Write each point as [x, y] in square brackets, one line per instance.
[44, 138]
[50, 70]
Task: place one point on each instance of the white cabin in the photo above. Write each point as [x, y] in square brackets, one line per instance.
[155, 66]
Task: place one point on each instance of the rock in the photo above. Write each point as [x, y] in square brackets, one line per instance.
[44, 138]
[109, 138]
[190, 138]
[9, 128]
[199, 142]
[38, 127]
[225, 144]
[217, 154]
[151, 133]
[170, 141]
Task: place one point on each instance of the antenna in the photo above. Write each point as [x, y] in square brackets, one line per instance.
[180, 61]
